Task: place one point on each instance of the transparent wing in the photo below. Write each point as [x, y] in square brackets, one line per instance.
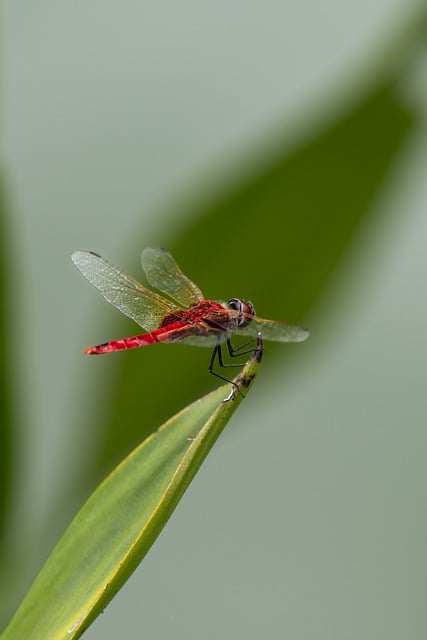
[275, 331]
[209, 340]
[163, 274]
[142, 305]
[269, 329]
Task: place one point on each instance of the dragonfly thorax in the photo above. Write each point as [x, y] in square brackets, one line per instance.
[245, 309]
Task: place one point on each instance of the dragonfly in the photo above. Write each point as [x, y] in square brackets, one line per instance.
[175, 310]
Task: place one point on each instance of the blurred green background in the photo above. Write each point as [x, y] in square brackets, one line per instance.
[279, 149]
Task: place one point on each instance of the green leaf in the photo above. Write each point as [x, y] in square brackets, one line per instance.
[118, 524]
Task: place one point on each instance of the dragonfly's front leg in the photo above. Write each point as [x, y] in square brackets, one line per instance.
[237, 351]
[217, 354]
[234, 352]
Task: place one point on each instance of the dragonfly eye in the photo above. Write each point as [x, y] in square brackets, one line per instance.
[245, 310]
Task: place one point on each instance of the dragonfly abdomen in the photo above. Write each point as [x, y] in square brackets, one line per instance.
[125, 343]
[171, 332]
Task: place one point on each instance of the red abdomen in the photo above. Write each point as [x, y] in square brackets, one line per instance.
[125, 343]
[159, 335]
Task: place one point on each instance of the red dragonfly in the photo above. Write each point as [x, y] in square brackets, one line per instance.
[181, 314]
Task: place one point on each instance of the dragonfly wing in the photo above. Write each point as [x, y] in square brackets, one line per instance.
[163, 273]
[145, 307]
[209, 340]
[275, 331]
[198, 334]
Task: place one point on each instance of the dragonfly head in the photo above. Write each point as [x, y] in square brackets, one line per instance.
[245, 310]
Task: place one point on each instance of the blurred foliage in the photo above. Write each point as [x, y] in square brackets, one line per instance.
[276, 238]
[6, 415]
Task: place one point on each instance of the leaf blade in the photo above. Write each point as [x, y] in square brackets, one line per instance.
[120, 521]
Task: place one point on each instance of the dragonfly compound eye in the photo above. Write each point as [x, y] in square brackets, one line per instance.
[245, 309]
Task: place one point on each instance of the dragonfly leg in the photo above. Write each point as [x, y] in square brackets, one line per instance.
[237, 351]
[233, 353]
[217, 353]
